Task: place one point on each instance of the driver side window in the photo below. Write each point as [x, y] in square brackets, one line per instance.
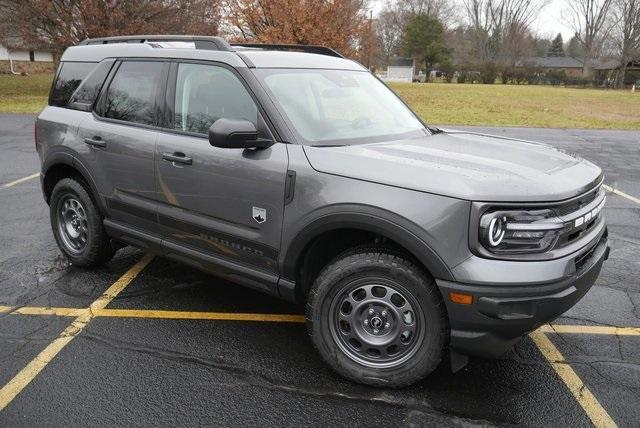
[206, 93]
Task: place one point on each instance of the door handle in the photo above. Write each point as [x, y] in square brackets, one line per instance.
[177, 157]
[95, 142]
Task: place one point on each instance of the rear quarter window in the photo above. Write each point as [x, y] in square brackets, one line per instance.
[86, 94]
[69, 77]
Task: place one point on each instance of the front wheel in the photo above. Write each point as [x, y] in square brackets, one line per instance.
[377, 318]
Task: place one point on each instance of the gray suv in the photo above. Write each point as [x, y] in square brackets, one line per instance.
[294, 171]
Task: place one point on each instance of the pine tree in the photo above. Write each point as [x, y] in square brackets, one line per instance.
[557, 47]
[575, 48]
[423, 39]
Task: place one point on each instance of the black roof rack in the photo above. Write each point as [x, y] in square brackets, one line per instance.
[321, 50]
[201, 42]
[211, 43]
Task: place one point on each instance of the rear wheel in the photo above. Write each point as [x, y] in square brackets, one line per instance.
[377, 318]
[77, 224]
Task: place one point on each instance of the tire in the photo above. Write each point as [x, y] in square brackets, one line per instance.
[77, 224]
[357, 292]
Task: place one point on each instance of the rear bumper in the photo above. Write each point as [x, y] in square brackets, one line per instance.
[500, 315]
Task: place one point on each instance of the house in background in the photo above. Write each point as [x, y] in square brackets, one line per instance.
[400, 70]
[572, 67]
[604, 71]
[17, 56]
[608, 70]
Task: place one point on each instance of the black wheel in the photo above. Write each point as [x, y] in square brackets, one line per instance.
[77, 224]
[377, 318]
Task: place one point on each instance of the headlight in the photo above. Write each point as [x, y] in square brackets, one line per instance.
[516, 232]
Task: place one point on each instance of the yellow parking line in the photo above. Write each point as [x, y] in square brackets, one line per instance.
[155, 314]
[591, 329]
[20, 180]
[34, 310]
[576, 386]
[31, 370]
[185, 315]
[621, 193]
[582, 394]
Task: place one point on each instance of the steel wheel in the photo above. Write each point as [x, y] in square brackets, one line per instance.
[376, 323]
[72, 224]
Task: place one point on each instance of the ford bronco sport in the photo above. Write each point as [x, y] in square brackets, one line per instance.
[294, 171]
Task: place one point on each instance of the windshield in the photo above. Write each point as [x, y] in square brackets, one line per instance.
[338, 107]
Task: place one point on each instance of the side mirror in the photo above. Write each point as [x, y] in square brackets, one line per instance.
[236, 134]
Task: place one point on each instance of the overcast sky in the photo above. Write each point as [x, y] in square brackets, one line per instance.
[549, 22]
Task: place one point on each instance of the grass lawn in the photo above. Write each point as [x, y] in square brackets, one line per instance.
[24, 94]
[522, 105]
[441, 103]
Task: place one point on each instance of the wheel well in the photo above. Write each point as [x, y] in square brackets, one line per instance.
[56, 173]
[328, 245]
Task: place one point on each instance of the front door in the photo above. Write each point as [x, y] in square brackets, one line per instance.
[226, 203]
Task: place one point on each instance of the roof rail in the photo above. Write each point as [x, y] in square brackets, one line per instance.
[315, 49]
[201, 42]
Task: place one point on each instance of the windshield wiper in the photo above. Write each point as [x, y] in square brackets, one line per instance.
[434, 130]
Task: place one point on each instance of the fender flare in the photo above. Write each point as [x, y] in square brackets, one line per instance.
[371, 219]
[68, 159]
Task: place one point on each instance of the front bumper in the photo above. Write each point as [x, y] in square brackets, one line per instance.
[500, 315]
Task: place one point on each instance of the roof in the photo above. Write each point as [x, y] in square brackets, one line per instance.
[186, 49]
[279, 59]
[401, 62]
[552, 62]
[96, 53]
[17, 42]
[604, 63]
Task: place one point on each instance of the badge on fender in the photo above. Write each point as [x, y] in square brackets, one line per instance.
[259, 214]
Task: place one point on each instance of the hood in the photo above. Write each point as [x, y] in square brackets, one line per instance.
[464, 165]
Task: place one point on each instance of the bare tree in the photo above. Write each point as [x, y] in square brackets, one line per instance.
[626, 15]
[479, 15]
[340, 24]
[589, 21]
[389, 34]
[444, 10]
[60, 23]
[499, 31]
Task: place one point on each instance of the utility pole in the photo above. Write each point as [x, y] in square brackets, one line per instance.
[369, 39]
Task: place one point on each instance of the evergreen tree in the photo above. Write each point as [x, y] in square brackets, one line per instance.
[557, 47]
[575, 48]
[424, 41]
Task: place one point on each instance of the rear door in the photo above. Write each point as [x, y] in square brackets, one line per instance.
[120, 138]
[225, 203]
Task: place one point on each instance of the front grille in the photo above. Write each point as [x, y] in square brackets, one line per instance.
[576, 204]
[576, 209]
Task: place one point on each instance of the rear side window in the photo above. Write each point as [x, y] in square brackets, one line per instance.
[68, 79]
[88, 91]
[133, 91]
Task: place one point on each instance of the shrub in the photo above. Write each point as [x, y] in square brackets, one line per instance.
[556, 77]
[507, 76]
[447, 71]
[488, 73]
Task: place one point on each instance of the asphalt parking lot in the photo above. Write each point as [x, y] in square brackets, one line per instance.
[163, 344]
